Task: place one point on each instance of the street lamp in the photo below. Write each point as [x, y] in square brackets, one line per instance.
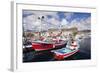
[41, 20]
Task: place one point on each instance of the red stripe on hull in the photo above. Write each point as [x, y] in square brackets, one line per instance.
[41, 46]
[46, 46]
[60, 57]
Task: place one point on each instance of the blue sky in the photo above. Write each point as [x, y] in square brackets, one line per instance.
[76, 15]
[68, 18]
[80, 16]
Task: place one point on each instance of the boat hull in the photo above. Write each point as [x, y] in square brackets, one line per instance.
[47, 46]
[41, 46]
[61, 55]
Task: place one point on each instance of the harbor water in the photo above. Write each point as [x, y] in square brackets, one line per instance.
[84, 53]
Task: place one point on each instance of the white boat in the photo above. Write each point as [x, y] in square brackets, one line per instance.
[69, 50]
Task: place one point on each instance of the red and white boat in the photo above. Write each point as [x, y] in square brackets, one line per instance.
[67, 51]
[41, 46]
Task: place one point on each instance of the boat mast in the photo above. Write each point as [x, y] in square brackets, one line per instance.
[41, 19]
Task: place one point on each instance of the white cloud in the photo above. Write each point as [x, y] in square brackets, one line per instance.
[27, 12]
[64, 22]
[83, 24]
[53, 21]
[68, 15]
[45, 13]
[31, 22]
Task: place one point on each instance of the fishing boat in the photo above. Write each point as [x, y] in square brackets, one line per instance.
[42, 44]
[66, 51]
